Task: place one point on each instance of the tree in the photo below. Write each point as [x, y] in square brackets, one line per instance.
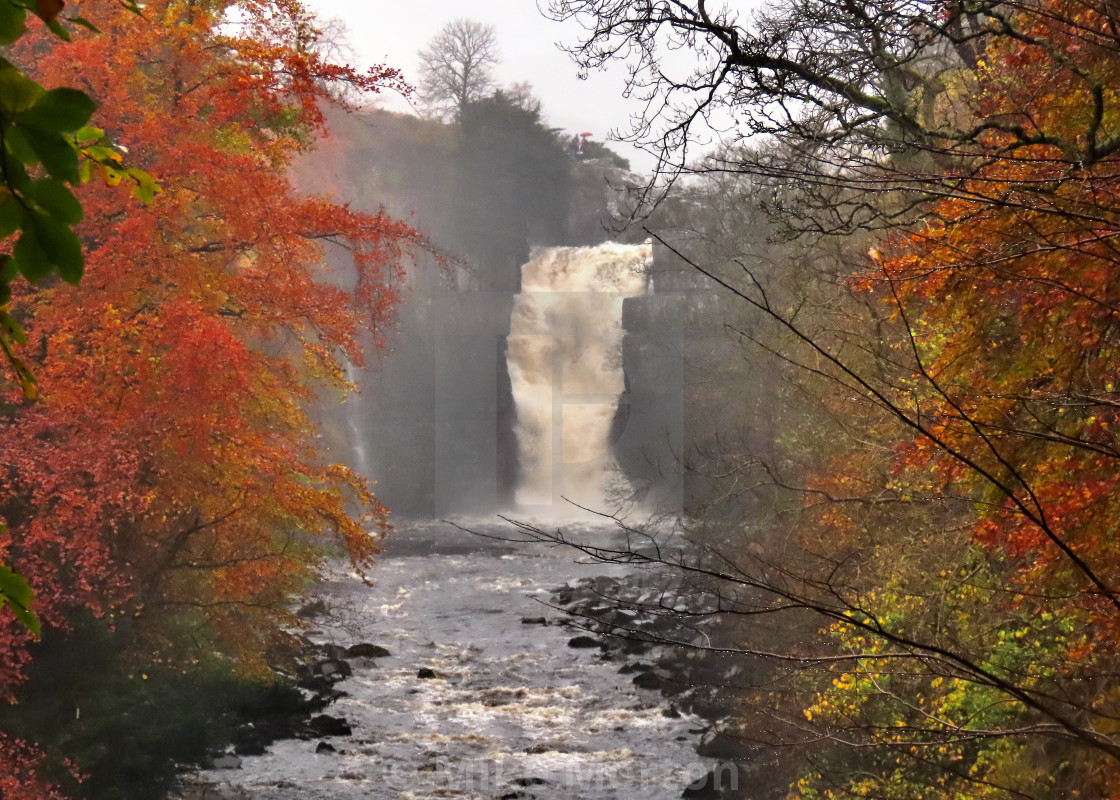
[47, 145]
[515, 184]
[875, 109]
[456, 67]
[168, 480]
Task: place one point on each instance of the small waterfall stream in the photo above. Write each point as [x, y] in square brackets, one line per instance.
[357, 437]
[565, 365]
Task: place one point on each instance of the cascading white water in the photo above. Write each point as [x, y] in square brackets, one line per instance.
[565, 365]
[357, 440]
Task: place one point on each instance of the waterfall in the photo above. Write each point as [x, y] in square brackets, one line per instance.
[353, 413]
[565, 364]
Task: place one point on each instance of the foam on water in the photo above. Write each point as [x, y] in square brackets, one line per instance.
[513, 703]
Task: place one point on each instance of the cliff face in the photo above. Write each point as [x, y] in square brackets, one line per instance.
[649, 427]
[436, 409]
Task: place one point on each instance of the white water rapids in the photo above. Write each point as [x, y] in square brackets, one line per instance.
[565, 365]
[514, 712]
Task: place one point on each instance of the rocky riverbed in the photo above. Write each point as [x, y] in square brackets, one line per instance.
[457, 675]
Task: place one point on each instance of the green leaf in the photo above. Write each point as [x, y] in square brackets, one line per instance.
[11, 215]
[59, 157]
[8, 272]
[88, 134]
[11, 328]
[59, 110]
[29, 255]
[102, 153]
[58, 29]
[8, 269]
[111, 175]
[17, 91]
[144, 187]
[17, 145]
[27, 381]
[12, 22]
[15, 592]
[85, 23]
[62, 245]
[54, 198]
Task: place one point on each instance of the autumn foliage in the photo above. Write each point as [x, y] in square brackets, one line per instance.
[990, 554]
[169, 470]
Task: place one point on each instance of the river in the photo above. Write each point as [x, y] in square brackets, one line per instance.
[514, 712]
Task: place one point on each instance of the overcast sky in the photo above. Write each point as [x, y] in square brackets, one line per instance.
[392, 33]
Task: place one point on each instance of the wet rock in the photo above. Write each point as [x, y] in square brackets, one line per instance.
[534, 621]
[319, 684]
[325, 747]
[316, 608]
[634, 666]
[366, 650]
[251, 740]
[430, 767]
[251, 748]
[513, 795]
[671, 712]
[334, 652]
[426, 674]
[721, 782]
[720, 746]
[227, 761]
[655, 681]
[702, 789]
[530, 781]
[326, 725]
[636, 647]
[709, 708]
[336, 670]
[583, 642]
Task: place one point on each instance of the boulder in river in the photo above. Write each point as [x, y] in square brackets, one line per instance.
[584, 641]
[655, 681]
[319, 684]
[426, 674]
[366, 650]
[335, 670]
[721, 782]
[316, 608]
[251, 746]
[326, 725]
[633, 666]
